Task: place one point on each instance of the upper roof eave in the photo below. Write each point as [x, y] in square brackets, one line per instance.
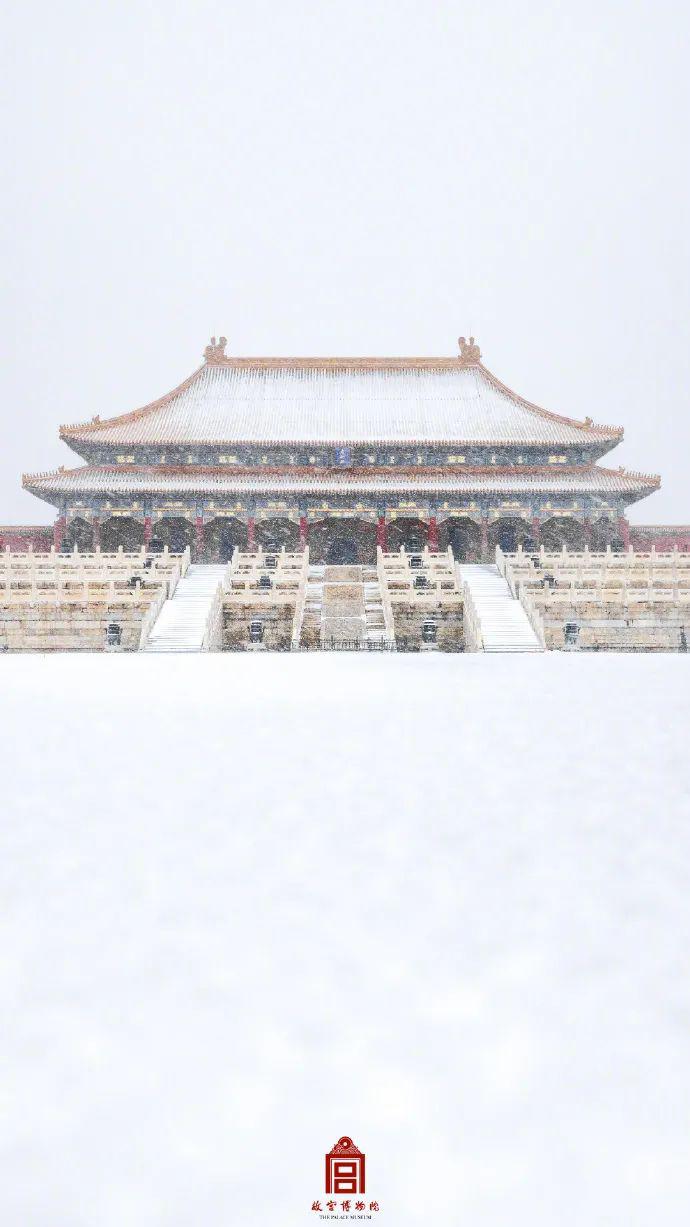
[85, 431]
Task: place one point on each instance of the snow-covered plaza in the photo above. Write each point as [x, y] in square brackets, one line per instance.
[438, 903]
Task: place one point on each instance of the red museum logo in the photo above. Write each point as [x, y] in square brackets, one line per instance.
[345, 1184]
[345, 1171]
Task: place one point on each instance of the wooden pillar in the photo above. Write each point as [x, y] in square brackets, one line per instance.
[251, 533]
[199, 536]
[432, 535]
[484, 539]
[303, 532]
[96, 527]
[587, 525]
[59, 528]
[536, 531]
[382, 532]
[148, 530]
[624, 531]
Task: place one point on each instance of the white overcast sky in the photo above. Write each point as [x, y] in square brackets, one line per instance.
[347, 177]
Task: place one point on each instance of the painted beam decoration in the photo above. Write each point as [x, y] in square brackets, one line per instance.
[290, 451]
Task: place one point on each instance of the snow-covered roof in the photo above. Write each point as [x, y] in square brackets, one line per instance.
[341, 401]
[228, 480]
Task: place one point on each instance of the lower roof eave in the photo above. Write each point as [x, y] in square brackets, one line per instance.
[142, 481]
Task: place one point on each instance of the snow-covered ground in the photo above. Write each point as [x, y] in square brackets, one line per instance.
[438, 903]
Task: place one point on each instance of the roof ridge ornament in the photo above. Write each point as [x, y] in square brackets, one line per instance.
[215, 352]
[470, 353]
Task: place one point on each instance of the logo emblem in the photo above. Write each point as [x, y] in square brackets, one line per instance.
[345, 1172]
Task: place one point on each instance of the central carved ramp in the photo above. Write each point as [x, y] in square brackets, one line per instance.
[343, 608]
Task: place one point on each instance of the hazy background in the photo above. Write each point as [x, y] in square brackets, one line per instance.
[347, 178]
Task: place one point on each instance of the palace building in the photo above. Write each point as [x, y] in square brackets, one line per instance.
[342, 454]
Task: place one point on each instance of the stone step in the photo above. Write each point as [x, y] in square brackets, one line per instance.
[503, 623]
[182, 622]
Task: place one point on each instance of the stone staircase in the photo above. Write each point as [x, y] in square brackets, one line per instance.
[183, 620]
[495, 619]
[343, 608]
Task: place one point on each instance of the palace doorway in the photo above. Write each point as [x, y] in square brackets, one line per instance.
[342, 541]
[273, 534]
[221, 536]
[176, 532]
[463, 535]
[342, 551]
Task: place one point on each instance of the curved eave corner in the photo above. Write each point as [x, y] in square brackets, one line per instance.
[595, 431]
[649, 484]
[80, 431]
[33, 484]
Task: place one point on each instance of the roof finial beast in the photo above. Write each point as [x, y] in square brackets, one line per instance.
[470, 353]
[215, 352]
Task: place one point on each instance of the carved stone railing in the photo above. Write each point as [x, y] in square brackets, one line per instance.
[150, 617]
[299, 607]
[81, 566]
[213, 634]
[471, 625]
[534, 616]
[388, 620]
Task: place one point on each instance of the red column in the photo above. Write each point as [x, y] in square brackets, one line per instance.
[199, 536]
[587, 525]
[382, 533]
[251, 538]
[96, 525]
[148, 530]
[303, 532]
[432, 535]
[536, 531]
[624, 531]
[59, 531]
[484, 540]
